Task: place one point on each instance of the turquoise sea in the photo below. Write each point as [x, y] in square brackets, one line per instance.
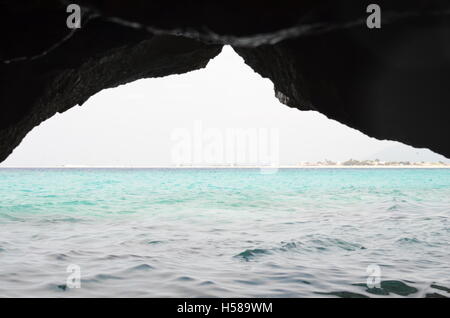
[225, 232]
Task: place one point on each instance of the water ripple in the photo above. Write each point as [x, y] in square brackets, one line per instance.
[225, 233]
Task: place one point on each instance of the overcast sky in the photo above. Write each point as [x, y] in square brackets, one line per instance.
[137, 124]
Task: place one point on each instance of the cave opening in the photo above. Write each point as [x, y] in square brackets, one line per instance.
[186, 120]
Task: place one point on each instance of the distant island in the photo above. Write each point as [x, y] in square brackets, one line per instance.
[373, 163]
[351, 163]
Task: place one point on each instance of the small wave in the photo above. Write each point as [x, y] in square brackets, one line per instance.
[249, 282]
[48, 196]
[170, 201]
[434, 295]
[11, 218]
[61, 220]
[250, 254]
[435, 286]
[414, 241]
[296, 246]
[62, 287]
[327, 243]
[102, 277]
[394, 207]
[390, 286]
[121, 256]
[78, 202]
[408, 240]
[343, 294]
[141, 267]
[99, 278]
[57, 287]
[185, 278]
[207, 283]
[289, 246]
[59, 256]
[154, 242]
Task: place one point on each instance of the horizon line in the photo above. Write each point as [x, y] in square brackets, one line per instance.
[412, 166]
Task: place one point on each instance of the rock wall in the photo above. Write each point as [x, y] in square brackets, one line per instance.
[390, 83]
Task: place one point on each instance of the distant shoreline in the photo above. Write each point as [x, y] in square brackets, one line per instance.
[242, 167]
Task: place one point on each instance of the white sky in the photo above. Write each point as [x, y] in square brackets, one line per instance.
[131, 125]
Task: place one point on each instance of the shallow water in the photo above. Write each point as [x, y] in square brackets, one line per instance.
[230, 232]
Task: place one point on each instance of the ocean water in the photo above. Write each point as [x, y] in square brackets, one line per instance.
[225, 232]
